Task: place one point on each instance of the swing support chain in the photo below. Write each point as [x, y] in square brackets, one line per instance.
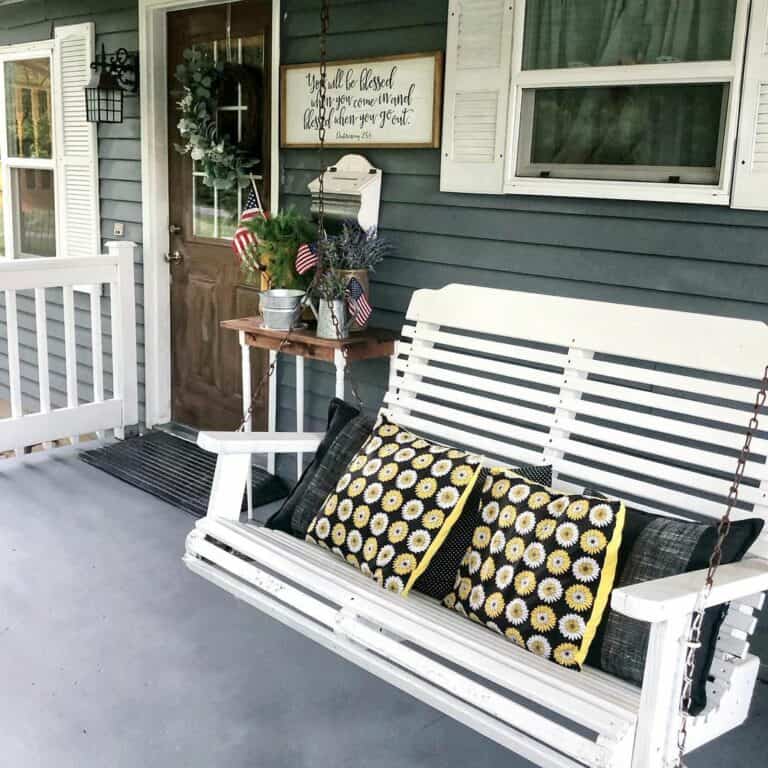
[285, 340]
[325, 18]
[321, 115]
[715, 559]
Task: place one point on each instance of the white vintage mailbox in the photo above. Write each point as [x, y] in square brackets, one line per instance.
[352, 191]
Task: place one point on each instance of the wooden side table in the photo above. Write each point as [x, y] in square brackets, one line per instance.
[304, 344]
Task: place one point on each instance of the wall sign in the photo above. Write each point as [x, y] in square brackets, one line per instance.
[392, 101]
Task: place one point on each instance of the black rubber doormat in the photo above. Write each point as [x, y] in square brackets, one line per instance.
[174, 470]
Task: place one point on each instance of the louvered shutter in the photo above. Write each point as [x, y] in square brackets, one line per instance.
[77, 165]
[478, 60]
[750, 188]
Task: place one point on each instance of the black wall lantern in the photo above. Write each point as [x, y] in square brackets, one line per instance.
[113, 76]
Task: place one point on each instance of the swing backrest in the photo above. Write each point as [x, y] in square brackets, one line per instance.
[647, 404]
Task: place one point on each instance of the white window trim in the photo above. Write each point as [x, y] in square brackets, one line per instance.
[39, 49]
[729, 72]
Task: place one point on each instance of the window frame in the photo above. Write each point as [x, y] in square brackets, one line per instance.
[727, 72]
[40, 49]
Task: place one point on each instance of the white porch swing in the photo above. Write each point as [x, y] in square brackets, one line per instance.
[530, 379]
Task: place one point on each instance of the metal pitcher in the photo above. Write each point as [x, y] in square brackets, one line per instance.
[324, 312]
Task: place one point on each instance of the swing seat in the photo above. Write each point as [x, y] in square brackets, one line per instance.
[648, 404]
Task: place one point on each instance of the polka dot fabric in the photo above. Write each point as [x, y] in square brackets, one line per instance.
[395, 504]
[540, 567]
[437, 580]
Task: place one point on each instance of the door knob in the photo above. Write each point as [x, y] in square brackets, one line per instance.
[175, 256]
[174, 229]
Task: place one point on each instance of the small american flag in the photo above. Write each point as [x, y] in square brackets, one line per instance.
[243, 239]
[359, 306]
[306, 257]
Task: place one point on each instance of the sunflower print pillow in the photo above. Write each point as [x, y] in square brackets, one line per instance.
[395, 504]
[541, 566]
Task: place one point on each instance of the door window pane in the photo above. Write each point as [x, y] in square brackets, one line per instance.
[28, 113]
[34, 212]
[592, 33]
[648, 133]
[2, 217]
[240, 117]
[229, 212]
[253, 51]
[203, 210]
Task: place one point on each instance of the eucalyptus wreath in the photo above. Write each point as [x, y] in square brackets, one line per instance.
[223, 163]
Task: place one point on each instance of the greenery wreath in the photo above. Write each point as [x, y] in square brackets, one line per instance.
[223, 163]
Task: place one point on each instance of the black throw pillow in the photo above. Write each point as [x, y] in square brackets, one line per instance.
[340, 414]
[653, 547]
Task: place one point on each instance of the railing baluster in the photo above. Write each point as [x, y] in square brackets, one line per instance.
[96, 351]
[70, 350]
[41, 330]
[14, 367]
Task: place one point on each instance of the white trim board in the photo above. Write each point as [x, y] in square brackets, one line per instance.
[154, 188]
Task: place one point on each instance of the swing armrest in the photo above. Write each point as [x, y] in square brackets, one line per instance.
[663, 599]
[259, 442]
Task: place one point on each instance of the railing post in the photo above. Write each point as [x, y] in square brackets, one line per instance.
[14, 359]
[122, 298]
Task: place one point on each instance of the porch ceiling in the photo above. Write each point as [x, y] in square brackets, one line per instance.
[112, 653]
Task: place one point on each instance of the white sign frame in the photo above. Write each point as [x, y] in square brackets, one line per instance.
[413, 103]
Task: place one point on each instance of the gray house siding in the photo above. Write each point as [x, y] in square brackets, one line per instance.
[694, 258]
[120, 191]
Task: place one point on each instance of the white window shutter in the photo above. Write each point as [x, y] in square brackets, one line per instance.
[477, 73]
[77, 161]
[750, 178]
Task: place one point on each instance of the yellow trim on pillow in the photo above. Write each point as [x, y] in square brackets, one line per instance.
[607, 577]
[443, 532]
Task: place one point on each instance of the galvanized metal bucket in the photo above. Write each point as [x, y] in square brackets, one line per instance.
[280, 308]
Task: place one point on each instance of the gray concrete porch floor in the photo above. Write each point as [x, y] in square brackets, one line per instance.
[113, 655]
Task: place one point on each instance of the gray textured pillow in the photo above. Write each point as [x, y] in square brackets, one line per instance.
[654, 547]
[664, 547]
[339, 414]
[341, 451]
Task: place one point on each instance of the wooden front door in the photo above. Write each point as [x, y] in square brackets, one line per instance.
[206, 285]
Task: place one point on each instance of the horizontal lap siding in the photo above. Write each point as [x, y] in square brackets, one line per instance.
[120, 191]
[695, 258]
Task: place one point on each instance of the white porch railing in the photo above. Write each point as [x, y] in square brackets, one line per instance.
[99, 412]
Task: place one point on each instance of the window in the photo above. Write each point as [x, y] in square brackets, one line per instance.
[605, 98]
[623, 91]
[49, 203]
[27, 159]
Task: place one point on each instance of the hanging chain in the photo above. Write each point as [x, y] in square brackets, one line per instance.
[323, 91]
[715, 559]
[325, 18]
[345, 353]
[321, 130]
